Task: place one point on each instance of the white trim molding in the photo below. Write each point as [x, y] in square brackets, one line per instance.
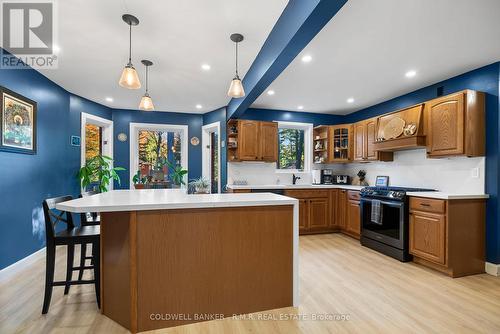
[205, 157]
[134, 144]
[107, 134]
[308, 145]
[492, 269]
[10, 271]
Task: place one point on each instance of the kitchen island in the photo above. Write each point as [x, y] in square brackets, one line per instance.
[169, 259]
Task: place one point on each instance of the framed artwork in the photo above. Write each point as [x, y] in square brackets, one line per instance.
[18, 123]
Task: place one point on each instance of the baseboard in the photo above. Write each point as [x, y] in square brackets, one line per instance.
[7, 272]
[492, 269]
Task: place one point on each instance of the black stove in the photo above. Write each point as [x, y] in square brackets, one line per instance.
[386, 229]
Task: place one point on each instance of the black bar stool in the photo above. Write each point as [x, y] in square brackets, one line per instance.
[70, 237]
[87, 219]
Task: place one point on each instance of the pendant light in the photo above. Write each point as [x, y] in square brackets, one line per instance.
[129, 78]
[236, 89]
[146, 101]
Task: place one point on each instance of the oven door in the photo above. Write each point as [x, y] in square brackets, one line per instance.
[392, 229]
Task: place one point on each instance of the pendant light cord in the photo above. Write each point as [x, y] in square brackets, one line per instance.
[130, 45]
[237, 59]
[147, 68]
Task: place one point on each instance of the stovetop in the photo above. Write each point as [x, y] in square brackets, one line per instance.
[394, 193]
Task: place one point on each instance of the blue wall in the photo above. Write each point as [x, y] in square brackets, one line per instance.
[26, 180]
[121, 121]
[219, 115]
[291, 116]
[485, 79]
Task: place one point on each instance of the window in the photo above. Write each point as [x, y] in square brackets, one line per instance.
[93, 141]
[294, 146]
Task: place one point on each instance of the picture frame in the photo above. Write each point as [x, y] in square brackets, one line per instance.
[18, 123]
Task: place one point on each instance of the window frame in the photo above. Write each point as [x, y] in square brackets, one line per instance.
[134, 145]
[308, 129]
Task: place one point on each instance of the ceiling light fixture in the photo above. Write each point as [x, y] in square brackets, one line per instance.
[236, 89]
[146, 101]
[306, 58]
[130, 78]
[350, 100]
[199, 106]
[205, 67]
[411, 74]
[270, 92]
[300, 107]
[109, 99]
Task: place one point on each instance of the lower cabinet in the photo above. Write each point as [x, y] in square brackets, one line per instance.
[353, 226]
[428, 236]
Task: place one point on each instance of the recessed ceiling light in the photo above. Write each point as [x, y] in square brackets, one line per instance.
[307, 58]
[205, 67]
[109, 99]
[300, 107]
[199, 106]
[270, 92]
[350, 100]
[411, 74]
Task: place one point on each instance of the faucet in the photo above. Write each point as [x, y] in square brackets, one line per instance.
[295, 178]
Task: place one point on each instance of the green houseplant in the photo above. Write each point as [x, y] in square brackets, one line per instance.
[200, 185]
[98, 171]
[139, 182]
[176, 174]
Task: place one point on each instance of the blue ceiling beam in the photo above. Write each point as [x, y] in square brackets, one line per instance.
[298, 24]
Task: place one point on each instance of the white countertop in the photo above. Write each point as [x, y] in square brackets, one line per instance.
[160, 199]
[295, 186]
[444, 195]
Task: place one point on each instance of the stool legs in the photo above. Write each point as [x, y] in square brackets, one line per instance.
[96, 256]
[83, 254]
[69, 267]
[49, 276]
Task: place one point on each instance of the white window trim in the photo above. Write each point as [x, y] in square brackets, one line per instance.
[134, 145]
[205, 156]
[107, 135]
[308, 145]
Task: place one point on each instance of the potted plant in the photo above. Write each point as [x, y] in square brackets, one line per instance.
[99, 173]
[158, 172]
[139, 182]
[176, 174]
[200, 186]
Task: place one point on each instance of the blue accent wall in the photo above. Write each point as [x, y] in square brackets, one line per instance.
[121, 122]
[219, 115]
[485, 79]
[291, 116]
[26, 180]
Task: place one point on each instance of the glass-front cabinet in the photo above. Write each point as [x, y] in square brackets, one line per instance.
[341, 143]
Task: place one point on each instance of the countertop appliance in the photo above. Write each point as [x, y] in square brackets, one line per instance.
[388, 233]
[316, 176]
[341, 179]
[327, 176]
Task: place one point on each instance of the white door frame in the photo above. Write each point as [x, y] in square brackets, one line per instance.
[205, 158]
[107, 137]
[134, 144]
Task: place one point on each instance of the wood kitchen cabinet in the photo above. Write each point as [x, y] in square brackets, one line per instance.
[365, 135]
[314, 210]
[341, 216]
[455, 125]
[341, 147]
[249, 140]
[448, 235]
[353, 218]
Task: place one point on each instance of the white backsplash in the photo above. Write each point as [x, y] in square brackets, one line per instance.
[410, 168]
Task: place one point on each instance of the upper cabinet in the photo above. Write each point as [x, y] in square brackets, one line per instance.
[365, 135]
[456, 125]
[341, 146]
[252, 141]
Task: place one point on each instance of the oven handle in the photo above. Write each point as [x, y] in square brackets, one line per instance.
[395, 204]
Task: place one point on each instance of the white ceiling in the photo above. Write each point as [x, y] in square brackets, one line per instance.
[366, 49]
[177, 36]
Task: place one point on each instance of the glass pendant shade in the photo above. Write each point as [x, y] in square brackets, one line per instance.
[146, 103]
[130, 78]
[236, 89]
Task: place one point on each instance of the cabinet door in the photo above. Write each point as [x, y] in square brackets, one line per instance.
[269, 141]
[428, 236]
[334, 195]
[341, 208]
[359, 141]
[445, 122]
[319, 213]
[353, 223]
[249, 140]
[303, 215]
[371, 134]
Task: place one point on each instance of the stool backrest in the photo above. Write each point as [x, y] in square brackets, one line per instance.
[89, 218]
[54, 216]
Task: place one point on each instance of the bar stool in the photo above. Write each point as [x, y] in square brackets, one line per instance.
[87, 219]
[70, 237]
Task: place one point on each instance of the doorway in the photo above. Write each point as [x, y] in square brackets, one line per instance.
[211, 155]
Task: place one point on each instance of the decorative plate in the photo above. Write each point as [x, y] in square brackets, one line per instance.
[122, 137]
[394, 128]
[410, 129]
[195, 141]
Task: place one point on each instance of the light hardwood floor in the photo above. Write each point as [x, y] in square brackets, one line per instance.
[337, 276]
